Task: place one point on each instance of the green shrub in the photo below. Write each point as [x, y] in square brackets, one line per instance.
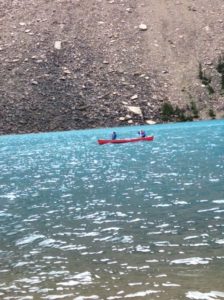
[182, 117]
[211, 113]
[189, 118]
[177, 111]
[167, 111]
[210, 89]
[200, 72]
[179, 114]
[220, 69]
[194, 109]
[220, 65]
[206, 80]
[202, 76]
[222, 82]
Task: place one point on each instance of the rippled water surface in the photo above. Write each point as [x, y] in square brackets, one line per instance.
[137, 221]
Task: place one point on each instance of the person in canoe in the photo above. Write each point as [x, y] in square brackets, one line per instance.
[114, 135]
[142, 133]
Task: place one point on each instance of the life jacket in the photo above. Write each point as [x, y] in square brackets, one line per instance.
[114, 136]
[143, 134]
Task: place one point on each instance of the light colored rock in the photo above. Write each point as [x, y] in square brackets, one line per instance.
[122, 118]
[143, 27]
[135, 109]
[66, 71]
[57, 45]
[150, 122]
[134, 97]
[130, 122]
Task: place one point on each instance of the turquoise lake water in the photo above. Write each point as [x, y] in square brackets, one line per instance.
[138, 221]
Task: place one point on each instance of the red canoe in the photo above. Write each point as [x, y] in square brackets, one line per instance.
[147, 139]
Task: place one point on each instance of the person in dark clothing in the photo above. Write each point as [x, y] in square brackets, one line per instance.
[142, 133]
[114, 135]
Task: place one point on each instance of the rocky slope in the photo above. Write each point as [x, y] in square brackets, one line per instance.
[69, 64]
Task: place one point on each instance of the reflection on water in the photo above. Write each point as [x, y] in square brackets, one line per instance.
[139, 221]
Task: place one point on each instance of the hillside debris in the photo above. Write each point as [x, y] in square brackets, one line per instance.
[134, 97]
[150, 122]
[135, 109]
[143, 27]
[57, 45]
